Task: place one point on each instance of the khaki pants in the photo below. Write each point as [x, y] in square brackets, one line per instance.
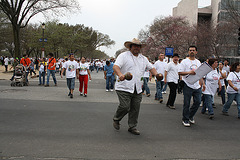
[129, 103]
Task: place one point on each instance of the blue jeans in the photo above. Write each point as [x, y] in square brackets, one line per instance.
[145, 85]
[222, 93]
[52, 72]
[231, 97]
[42, 74]
[188, 113]
[159, 88]
[165, 87]
[71, 83]
[207, 103]
[110, 79]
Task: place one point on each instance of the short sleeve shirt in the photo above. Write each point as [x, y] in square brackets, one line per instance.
[234, 77]
[83, 68]
[187, 65]
[211, 82]
[51, 63]
[172, 72]
[160, 66]
[71, 67]
[127, 62]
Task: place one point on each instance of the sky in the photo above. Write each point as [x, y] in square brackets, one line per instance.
[120, 19]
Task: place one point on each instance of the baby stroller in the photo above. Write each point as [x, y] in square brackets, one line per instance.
[20, 76]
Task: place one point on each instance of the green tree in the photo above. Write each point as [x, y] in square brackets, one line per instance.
[19, 12]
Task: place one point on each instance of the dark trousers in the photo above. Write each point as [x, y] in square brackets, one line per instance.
[173, 92]
[129, 103]
[188, 93]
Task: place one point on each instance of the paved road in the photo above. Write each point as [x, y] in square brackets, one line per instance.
[43, 123]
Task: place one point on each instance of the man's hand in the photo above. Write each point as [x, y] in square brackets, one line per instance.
[77, 76]
[105, 77]
[235, 88]
[192, 72]
[121, 77]
[203, 87]
[61, 76]
[165, 81]
[90, 77]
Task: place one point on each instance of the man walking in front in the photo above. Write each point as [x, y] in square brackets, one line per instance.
[130, 91]
[188, 67]
[51, 69]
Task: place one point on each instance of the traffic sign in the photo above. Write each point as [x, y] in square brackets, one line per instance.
[169, 51]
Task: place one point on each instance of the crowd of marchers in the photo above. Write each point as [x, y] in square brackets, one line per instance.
[222, 79]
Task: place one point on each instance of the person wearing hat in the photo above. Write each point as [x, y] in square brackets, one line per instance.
[130, 91]
[171, 78]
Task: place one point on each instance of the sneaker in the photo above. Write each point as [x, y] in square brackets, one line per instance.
[85, 95]
[81, 94]
[211, 116]
[225, 113]
[161, 100]
[71, 95]
[111, 90]
[107, 90]
[192, 121]
[116, 125]
[164, 92]
[148, 95]
[47, 85]
[186, 123]
[134, 131]
[172, 107]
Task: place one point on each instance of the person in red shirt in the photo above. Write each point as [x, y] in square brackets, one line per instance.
[51, 69]
[26, 62]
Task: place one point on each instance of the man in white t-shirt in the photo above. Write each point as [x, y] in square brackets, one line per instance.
[188, 67]
[72, 70]
[171, 78]
[130, 91]
[6, 60]
[160, 66]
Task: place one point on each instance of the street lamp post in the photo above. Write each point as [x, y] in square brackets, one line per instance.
[43, 48]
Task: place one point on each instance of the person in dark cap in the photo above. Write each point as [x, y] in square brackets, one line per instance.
[171, 78]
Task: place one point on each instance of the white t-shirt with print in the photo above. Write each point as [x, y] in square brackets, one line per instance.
[222, 80]
[235, 80]
[83, 68]
[211, 82]
[172, 72]
[187, 65]
[6, 61]
[127, 62]
[71, 67]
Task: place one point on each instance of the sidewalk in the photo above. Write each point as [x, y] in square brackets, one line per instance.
[5, 75]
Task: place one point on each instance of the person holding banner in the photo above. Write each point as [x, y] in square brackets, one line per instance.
[188, 67]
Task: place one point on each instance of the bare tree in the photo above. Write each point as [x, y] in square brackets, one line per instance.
[19, 12]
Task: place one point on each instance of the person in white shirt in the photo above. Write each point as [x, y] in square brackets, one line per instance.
[171, 78]
[227, 69]
[233, 89]
[188, 67]
[130, 91]
[146, 78]
[72, 70]
[212, 82]
[6, 60]
[160, 66]
[83, 76]
[223, 76]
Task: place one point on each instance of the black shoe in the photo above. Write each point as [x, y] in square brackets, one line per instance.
[225, 113]
[161, 100]
[85, 95]
[81, 94]
[134, 131]
[211, 116]
[47, 85]
[116, 125]
[71, 95]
